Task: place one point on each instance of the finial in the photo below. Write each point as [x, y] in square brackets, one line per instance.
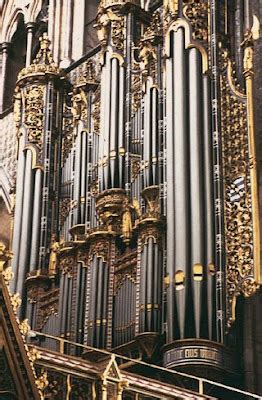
[43, 63]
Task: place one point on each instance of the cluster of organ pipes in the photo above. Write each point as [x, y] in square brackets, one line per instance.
[123, 189]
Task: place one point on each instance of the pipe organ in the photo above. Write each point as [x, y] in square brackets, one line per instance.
[136, 194]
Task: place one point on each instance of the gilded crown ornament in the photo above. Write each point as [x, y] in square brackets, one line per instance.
[43, 63]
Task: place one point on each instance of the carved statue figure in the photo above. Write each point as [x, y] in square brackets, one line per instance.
[54, 249]
[79, 104]
[126, 223]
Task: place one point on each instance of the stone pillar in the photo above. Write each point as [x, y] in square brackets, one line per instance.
[30, 34]
[5, 47]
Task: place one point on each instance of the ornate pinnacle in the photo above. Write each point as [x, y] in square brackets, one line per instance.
[43, 63]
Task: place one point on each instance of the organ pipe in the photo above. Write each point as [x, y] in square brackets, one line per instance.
[209, 202]
[181, 200]
[18, 210]
[196, 181]
[33, 264]
[26, 223]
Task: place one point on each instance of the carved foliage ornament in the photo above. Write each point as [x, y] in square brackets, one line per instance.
[96, 110]
[99, 248]
[67, 133]
[237, 186]
[106, 19]
[66, 265]
[34, 116]
[196, 11]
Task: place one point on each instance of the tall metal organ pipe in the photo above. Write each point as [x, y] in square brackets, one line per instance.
[33, 264]
[24, 250]
[190, 251]
[18, 210]
[196, 182]
[209, 244]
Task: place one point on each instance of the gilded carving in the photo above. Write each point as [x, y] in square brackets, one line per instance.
[5, 256]
[43, 62]
[135, 169]
[100, 248]
[150, 231]
[102, 25]
[24, 327]
[64, 210]
[15, 301]
[96, 110]
[171, 7]
[42, 383]
[136, 87]
[117, 26]
[86, 74]
[8, 275]
[54, 250]
[66, 265]
[238, 206]
[68, 136]
[126, 222]
[79, 105]
[33, 354]
[34, 116]
[147, 56]
[197, 13]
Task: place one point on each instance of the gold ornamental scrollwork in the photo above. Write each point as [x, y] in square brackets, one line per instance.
[170, 11]
[66, 265]
[43, 63]
[107, 19]
[100, 248]
[68, 136]
[197, 13]
[239, 238]
[150, 231]
[96, 110]
[34, 115]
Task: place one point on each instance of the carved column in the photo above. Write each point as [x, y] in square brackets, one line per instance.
[30, 32]
[5, 47]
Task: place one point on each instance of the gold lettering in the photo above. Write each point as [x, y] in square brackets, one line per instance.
[191, 353]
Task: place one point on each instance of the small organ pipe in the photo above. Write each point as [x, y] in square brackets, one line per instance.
[121, 314]
[33, 264]
[92, 302]
[26, 224]
[149, 279]
[76, 184]
[108, 83]
[157, 282]
[83, 178]
[143, 285]
[98, 320]
[154, 135]
[104, 302]
[69, 307]
[64, 306]
[79, 302]
[114, 121]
